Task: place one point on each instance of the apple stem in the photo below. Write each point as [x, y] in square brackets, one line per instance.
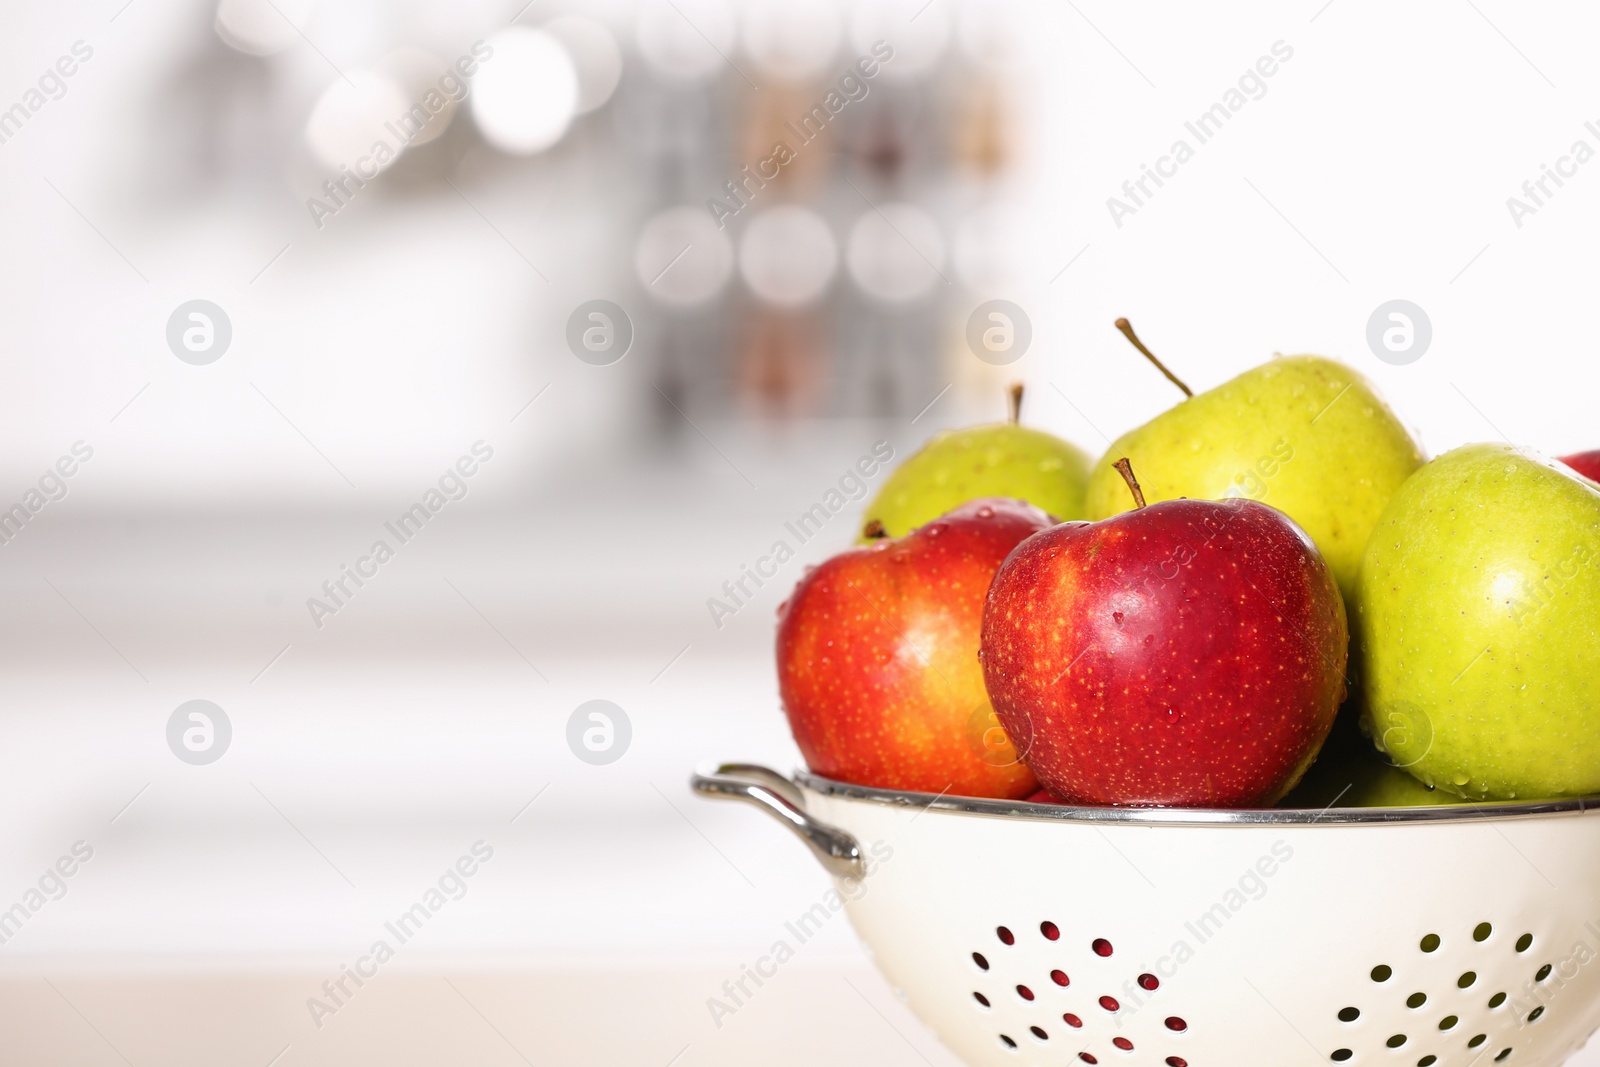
[1014, 403]
[874, 530]
[1127, 331]
[1125, 469]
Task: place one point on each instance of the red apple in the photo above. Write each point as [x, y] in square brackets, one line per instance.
[1585, 463]
[878, 658]
[1189, 654]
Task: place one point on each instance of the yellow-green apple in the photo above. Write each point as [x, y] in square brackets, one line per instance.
[1304, 434]
[1349, 773]
[878, 658]
[1004, 459]
[1188, 653]
[1478, 626]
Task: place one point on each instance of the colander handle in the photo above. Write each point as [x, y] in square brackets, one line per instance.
[777, 796]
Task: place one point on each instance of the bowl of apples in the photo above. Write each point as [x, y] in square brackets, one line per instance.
[1262, 739]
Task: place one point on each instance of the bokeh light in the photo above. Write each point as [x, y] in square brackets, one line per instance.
[990, 247]
[594, 53]
[682, 259]
[895, 254]
[525, 95]
[788, 256]
[687, 40]
[792, 40]
[417, 73]
[918, 42]
[261, 27]
[349, 119]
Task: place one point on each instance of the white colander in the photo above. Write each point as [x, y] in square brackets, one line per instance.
[1027, 934]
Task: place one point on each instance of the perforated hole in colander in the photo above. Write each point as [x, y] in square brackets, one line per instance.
[1096, 1036]
[1447, 1012]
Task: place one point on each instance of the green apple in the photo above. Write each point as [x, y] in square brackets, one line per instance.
[1478, 626]
[1003, 459]
[1387, 786]
[1349, 774]
[1306, 435]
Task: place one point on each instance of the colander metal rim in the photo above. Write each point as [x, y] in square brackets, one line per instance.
[1492, 811]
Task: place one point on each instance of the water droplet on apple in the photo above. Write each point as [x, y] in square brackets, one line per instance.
[1461, 779]
[935, 529]
[1511, 796]
[986, 512]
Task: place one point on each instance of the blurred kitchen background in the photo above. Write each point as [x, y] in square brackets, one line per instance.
[372, 317]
